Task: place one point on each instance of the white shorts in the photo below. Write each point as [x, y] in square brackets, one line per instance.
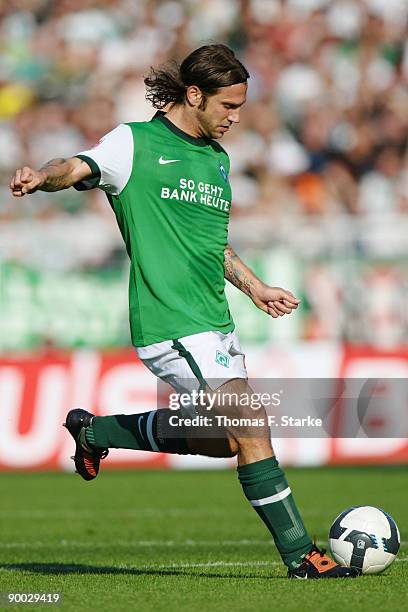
[209, 358]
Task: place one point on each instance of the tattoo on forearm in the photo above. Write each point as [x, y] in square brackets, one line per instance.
[236, 272]
[53, 162]
[57, 175]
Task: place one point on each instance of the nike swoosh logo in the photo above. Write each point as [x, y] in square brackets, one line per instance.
[140, 429]
[167, 161]
[300, 577]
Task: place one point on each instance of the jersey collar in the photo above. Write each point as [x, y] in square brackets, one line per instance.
[199, 142]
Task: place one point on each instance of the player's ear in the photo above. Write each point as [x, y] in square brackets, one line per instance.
[194, 95]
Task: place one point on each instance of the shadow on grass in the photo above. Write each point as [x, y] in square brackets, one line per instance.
[75, 568]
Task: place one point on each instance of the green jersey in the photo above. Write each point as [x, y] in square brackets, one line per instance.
[173, 214]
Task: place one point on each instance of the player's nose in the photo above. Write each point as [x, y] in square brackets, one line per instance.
[233, 116]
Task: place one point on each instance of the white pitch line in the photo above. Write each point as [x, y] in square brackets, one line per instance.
[43, 514]
[143, 543]
[208, 564]
[215, 564]
[135, 513]
[135, 543]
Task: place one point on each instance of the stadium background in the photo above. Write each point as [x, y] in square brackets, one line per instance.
[320, 184]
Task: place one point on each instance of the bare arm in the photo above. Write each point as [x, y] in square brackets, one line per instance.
[238, 273]
[272, 300]
[55, 175]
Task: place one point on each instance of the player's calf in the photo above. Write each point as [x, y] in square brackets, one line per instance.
[213, 447]
[94, 435]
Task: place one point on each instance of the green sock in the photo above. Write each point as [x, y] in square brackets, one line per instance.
[134, 431]
[266, 488]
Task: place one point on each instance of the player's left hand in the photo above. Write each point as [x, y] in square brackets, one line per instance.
[275, 301]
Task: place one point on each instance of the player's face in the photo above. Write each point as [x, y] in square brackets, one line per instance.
[222, 110]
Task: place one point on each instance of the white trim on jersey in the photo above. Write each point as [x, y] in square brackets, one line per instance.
[114, 157]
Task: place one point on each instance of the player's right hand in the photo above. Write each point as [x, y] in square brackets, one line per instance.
[25, 180]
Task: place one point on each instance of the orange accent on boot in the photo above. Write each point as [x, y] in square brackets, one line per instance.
[322, 563]
[90, 467]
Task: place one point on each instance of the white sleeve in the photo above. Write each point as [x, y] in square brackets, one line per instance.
[113, 156]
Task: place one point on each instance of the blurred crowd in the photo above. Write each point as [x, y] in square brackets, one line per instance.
[318, 160]
[324, 131]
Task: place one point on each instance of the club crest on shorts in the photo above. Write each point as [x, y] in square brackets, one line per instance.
[222, 359]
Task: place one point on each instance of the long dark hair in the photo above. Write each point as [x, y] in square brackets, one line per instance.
[209, 67]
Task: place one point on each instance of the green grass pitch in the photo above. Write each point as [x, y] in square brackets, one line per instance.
[175, 541]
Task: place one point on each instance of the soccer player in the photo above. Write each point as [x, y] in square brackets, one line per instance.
[167, 182]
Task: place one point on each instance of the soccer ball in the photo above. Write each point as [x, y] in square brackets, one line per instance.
[366, 538]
